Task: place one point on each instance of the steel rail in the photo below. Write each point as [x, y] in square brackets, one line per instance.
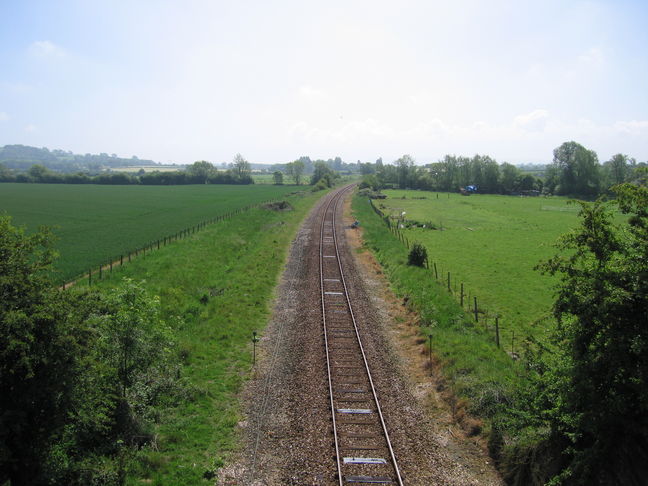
[326, 345]
[335, 200]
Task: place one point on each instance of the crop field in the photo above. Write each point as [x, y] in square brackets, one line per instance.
[490, 243]
[96, 223]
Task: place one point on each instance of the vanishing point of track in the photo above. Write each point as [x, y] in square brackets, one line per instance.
[363, 450]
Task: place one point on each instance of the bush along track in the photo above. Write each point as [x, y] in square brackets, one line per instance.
[214, 288]
[484, 381]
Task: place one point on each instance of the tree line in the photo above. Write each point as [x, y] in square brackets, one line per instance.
[575, 170]
[22, 157]
[200, 172]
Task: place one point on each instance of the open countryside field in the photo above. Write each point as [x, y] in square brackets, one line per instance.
[490, 243]
[95, 223]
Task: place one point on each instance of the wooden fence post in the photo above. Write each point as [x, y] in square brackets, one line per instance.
[436, 274]
[462, 295]
[497, 331]
[449, 289]
[476, 317]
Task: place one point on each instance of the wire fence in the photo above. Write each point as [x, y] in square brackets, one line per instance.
[106, 268]
[507, 338]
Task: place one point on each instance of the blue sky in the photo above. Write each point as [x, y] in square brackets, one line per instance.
[184, 81]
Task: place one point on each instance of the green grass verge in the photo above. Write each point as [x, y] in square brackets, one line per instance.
[233, 267]
[475, 368]
[95, 223]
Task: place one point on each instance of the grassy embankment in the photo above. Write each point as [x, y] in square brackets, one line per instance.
[221, 282]
[96, 223]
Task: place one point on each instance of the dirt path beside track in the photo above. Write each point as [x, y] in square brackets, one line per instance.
[287, 430]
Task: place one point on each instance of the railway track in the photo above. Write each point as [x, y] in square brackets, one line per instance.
[363, 450]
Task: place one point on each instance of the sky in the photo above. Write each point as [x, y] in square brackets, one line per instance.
[179, 81]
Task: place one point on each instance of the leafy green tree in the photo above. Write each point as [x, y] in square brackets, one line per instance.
[509, 177]
[491, 176]
[322, 172]
[295, 170]
[199, 172]
[596, 390]
[618, 169]
[242, 169]
[39, 356]
[277, 177]
[578, 170]
[134, 336]
[405, 168]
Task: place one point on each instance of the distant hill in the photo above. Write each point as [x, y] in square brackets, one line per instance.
[22, 157]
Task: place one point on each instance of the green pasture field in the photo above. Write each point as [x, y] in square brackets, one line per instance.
[96, 223]
[220, 281]
[491, 243]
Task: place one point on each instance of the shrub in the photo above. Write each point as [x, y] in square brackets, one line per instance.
[417, 255]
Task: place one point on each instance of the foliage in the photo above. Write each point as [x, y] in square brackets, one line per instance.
[38, 355]
[370, 181]
[241, 170]
[201, 171]
[417, 255]
[295, 170]
[133, 335]
[597, 394]
[22, 157]
[323, 175]
[277, 177]
[576, 169]
[64, 358]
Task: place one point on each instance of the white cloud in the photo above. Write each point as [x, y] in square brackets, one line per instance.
[46, 49]
[310, 92]
[3, 116]
[31, 128]
[535, 121]
[632, 127]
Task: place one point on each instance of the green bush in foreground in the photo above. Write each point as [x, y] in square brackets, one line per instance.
[73, 365]
[595, 396]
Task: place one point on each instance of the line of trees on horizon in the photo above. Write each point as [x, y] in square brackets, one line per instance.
[575, 170]
[200, 172]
